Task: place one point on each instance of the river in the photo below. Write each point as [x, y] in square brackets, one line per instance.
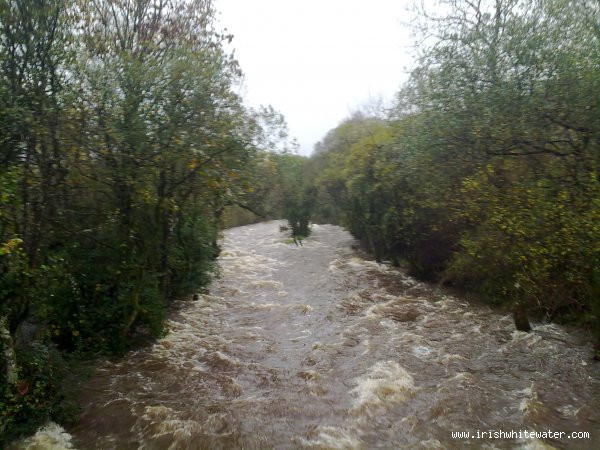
[315, 347]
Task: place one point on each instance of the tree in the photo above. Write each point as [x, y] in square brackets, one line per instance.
[487, 177]
[508, 98]
[121, 142]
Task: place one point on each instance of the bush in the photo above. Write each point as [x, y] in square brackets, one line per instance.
[38, 396]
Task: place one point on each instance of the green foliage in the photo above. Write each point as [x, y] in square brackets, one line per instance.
[14, 279]
[265, 185]
[326, 166]
[297, 194]
[531, 239]
[281, 187]
[122, 141]
[38, 396]
[487, 173]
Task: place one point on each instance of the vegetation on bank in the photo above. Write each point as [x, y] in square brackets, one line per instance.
[485, 173]
[282, 189]
[122, 141]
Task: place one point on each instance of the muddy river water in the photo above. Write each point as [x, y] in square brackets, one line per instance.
[314, 347]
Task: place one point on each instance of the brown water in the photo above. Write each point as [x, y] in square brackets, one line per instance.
[314, 347]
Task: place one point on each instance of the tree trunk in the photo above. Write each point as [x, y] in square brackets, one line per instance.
[135, 310]
[8, 348]
[520, 316]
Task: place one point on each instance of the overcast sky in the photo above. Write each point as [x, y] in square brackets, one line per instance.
[316, 61]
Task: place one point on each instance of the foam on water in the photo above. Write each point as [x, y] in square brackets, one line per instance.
[266, 283]
[335, 265]
[409, 281]
[528, 338]
[303, 308]
[445, 305]
[368, 346]
[462, 377]
[328, 437]
[534, 444]
[50, 437]
[221, 360]
[525, 392]
[532, 408]
[161, 421]
[384, 384]
[263, 306]
[449, 358]
[422, 351]
[357, 356]
[569, 410]
[412, 338]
